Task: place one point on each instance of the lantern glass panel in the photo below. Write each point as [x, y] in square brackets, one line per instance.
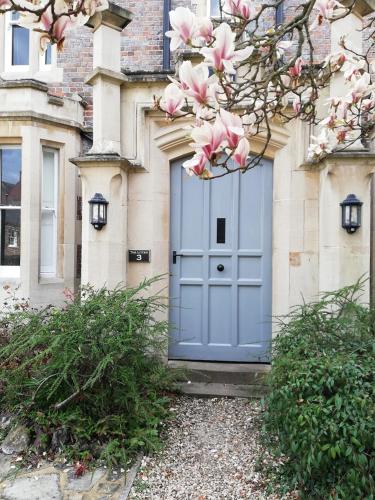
[354, 215]
[95, 212]
[347, 215]
[101, 214]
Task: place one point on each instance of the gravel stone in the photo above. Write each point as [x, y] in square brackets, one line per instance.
[212, 452]
[16, 441]
[6, 420]
[5, 466]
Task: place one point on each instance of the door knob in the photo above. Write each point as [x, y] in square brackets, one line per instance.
[220, 267]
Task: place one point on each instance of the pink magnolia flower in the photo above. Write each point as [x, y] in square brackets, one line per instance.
[4, 3]
[321, 145]
[282, 46]
[196, 165]
[205, 29]
[341, 136]
[92, 6]
[173, 99]
[335, 61]
[342, 110]
[361, 87]
[195, 81]
[223, 54]
[330, 121]
[208, 138]
[56, 29]
[233, 127]
[326, 7]
[51, 30]
[184, 26]
[295, 71]
[353, 68]
[367, 104]
[241, 153]
[340, 107]
[326, 11]
[242, 8]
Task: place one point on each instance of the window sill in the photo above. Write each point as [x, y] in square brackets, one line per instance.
[11, 74]
[9, 281]
[49, 75]
[50, 280]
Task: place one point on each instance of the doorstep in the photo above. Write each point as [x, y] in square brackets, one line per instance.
[221, 379]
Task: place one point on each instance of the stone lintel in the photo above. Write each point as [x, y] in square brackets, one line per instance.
[190, 55]
[106, 74]
[361, 158]
[114, 17]
[147, 76]
[352, 154]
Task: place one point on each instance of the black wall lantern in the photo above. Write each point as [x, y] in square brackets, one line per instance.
[351, 209]
[98, 211]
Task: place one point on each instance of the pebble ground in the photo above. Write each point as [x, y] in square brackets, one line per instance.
[212, 452]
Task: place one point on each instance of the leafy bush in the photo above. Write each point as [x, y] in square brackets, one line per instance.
[320, 413]
[88, 376]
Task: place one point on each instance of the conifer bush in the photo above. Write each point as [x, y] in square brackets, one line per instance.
[320, 413]
[88, 377]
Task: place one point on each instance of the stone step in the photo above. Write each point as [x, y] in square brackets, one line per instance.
[222, 390]
[221, 379]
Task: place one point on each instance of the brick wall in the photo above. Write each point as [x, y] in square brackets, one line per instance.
[76, 59]
[142, 47]
[142, 50]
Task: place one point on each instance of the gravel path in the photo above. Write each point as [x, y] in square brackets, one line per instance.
[212, 452]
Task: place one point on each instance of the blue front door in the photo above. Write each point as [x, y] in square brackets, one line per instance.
[220, 263]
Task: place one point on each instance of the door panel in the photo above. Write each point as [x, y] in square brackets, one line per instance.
[220, 287]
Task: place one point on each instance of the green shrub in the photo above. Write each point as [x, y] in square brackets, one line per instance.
[320, 413]
[90, 374]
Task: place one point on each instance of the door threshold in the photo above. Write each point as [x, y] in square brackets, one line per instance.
[249, 374]
[222, 366]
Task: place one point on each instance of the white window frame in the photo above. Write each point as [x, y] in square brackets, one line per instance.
[12, 272]
[42, 58]
[50, 271]
[208, 8]
[9, 49]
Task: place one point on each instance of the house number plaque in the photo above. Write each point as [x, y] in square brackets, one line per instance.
[139, 255]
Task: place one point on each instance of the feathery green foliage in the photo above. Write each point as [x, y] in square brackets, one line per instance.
[320, 413]
[92, 369]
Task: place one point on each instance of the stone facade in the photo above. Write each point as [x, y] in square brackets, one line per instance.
[32, 120]
[108, 78]
[141, 47]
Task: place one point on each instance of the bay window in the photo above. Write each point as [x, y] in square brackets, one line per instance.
[49, 202]
[10, 211]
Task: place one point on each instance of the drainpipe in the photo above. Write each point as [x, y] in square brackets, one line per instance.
[166, 41]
